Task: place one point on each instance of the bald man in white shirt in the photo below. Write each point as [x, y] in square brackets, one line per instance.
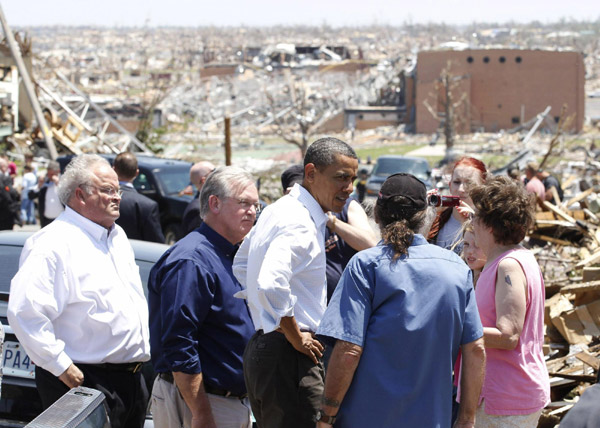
[281, 265]
[77, 304]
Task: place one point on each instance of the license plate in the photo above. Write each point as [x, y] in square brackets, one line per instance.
[16, 362]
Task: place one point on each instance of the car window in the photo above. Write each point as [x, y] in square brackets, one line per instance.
[174, 180]
[143, 183]
[387, 167]
[9, 264]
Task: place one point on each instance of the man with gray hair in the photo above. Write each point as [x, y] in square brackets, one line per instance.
[77, 304]
[49, 205]
[198, 330]
[282, 266]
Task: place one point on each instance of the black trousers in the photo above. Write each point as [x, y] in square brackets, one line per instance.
[126, 392]
[284, 386]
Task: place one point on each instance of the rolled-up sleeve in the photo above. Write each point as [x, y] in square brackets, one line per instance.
[347, 316]
[186, 296]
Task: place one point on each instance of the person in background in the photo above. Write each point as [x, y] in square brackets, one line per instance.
[49, 204]
[385, 370]
[549, 181]
[198, 330]
[446, 230]
[10, 213]
[360, 185]
[281, 265]
[510, 297]
[532, 182]
[77, 304]
[198, 175]
[472, 254]
[139, 215]
[292, 175]
[27, 206]
[11, 168]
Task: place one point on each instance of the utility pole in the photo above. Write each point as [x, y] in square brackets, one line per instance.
[227, 140]
[16, 53]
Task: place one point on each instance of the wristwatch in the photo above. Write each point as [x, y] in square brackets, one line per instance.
[322, 417]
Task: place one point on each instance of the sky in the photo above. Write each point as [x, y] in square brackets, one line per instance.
[336, 13]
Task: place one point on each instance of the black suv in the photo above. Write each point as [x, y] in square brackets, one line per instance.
[161, 180]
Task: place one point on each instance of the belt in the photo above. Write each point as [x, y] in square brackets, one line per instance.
[112, 367]
[168, 377]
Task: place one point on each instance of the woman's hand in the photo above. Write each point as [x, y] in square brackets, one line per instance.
[465, 210]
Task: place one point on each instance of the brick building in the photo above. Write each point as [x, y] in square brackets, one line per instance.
[502, 87]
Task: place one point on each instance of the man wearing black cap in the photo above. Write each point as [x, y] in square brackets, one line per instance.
[402, 311]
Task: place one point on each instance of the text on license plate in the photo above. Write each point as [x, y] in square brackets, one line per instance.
[16, 362]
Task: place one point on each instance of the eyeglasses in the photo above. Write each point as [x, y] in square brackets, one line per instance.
[110, 191]
[246, 204]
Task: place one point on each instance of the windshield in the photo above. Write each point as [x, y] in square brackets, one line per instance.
[386, 167]
[174, 180]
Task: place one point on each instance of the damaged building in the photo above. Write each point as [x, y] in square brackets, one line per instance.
[496, 89]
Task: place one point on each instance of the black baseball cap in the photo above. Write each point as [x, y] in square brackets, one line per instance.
[294, 174]
[407, 186]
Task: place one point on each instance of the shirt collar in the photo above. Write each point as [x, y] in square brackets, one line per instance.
[222, 244]
[99, 233]
[306, 198]
[126, 184]
[418, 239]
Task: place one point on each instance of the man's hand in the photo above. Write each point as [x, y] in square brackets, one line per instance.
[203, 423]
[308, 345]
[72, 377]
[323, 425]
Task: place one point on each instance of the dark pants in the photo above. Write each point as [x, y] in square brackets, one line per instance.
[126, 393]
[284, 386]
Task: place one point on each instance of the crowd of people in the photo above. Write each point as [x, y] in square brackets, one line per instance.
[298, 318]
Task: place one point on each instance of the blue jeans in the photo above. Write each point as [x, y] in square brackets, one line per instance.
[28, 211]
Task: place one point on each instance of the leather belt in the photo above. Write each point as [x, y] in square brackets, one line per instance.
[168, 377]
[114, 367]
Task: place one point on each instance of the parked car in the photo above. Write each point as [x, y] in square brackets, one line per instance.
[162, 180]
[19, 399]
[392, 164]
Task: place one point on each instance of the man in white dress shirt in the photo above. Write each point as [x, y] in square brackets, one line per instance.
[281, 265]
[77, 304]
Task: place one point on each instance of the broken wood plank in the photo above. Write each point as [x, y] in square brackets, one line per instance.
[580, 197]
[550, 239]
[559, 212]
[589, 359]
[575, 377]
[581, 287]
[589, 260]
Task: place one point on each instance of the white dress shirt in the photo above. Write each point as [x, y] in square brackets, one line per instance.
[52, 205]
[78, 297]
[281, 263]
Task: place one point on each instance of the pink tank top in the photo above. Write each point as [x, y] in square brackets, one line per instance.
[516, 381]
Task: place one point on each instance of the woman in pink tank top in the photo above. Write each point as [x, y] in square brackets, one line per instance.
[510, 298]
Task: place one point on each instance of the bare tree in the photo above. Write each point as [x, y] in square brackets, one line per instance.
[450, 104]
[298, 111]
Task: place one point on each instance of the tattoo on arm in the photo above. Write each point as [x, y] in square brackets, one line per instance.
[507, 280]
[330, 402]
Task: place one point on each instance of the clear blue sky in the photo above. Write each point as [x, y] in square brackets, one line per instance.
[284, 12]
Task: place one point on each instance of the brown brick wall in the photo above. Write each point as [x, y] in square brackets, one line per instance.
[499, 89]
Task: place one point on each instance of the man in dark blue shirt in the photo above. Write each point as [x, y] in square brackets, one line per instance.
[198, 330]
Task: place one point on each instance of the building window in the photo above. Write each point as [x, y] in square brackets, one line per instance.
[515, 120]
[518, 60]
[502, 59]
[469, 59]
[486, 59]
